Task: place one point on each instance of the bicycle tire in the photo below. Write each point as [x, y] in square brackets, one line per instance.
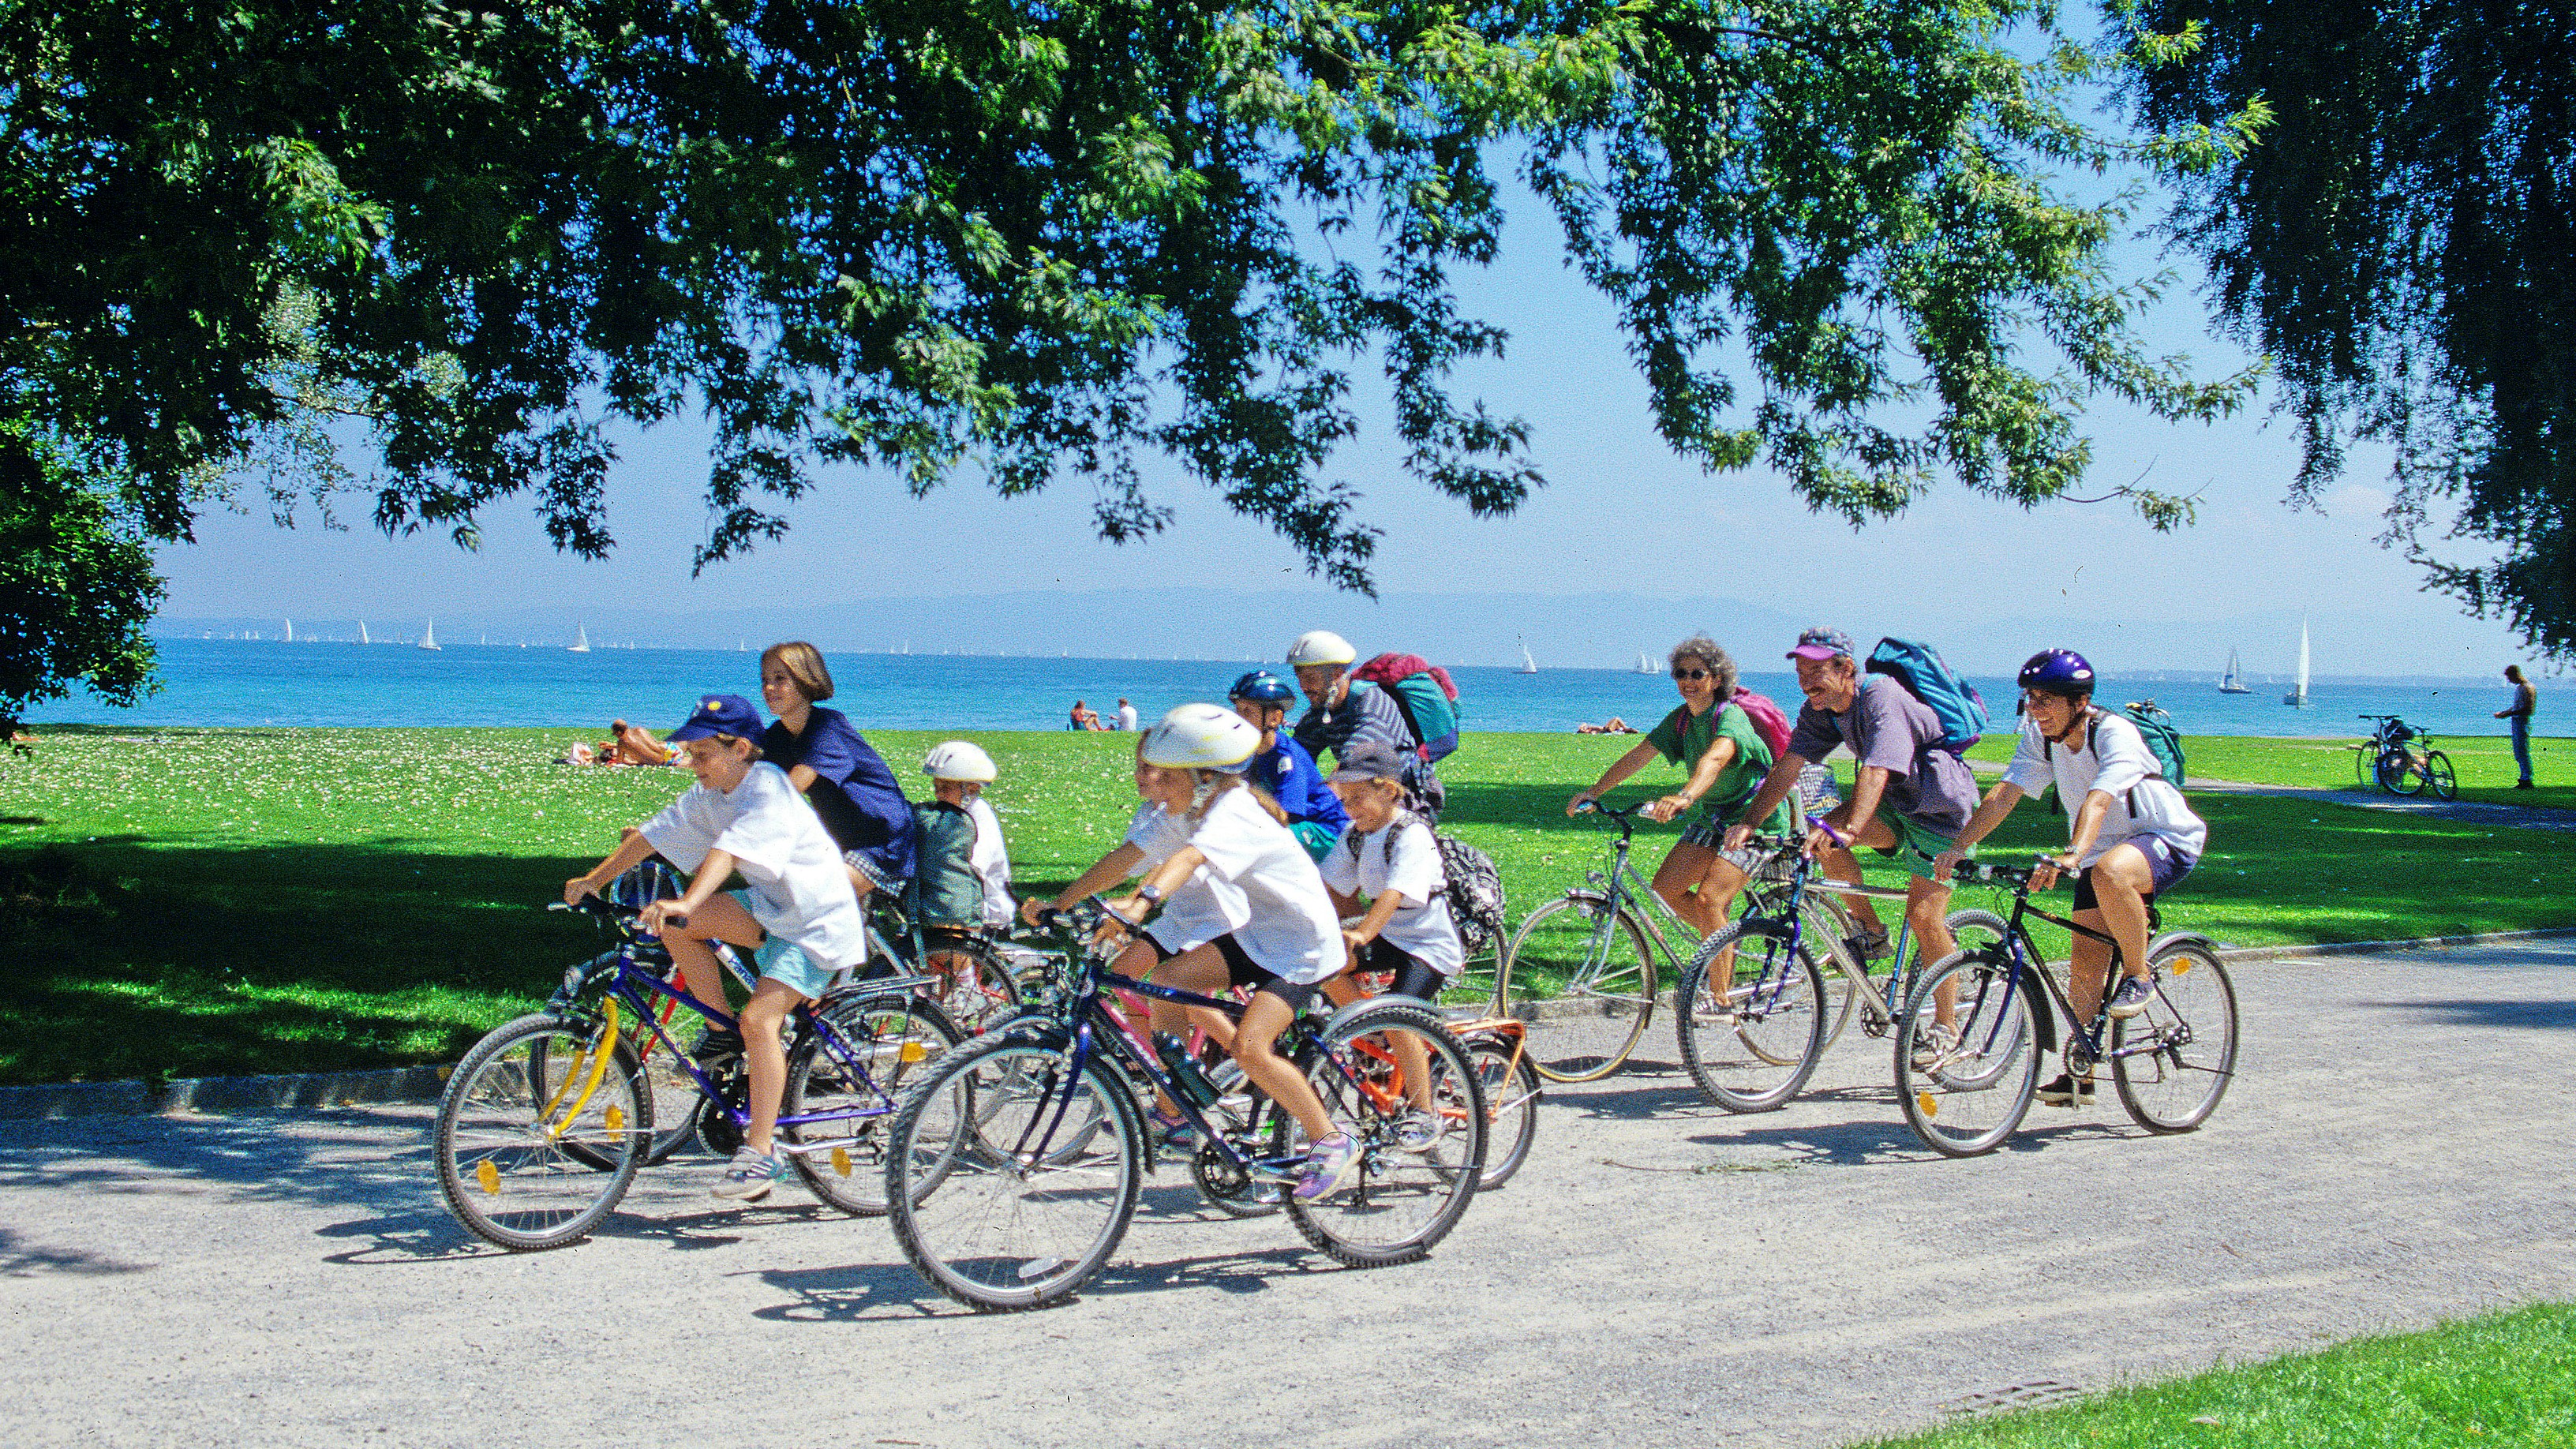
[889, 1038]
[998, 1234]
[1972, 1095]
[1512, 1092]
[503, 1121]
[992, 998]
[1479, 978]
[1397, 1205]
[2399, 775]
[1751, 1043]
[2193, 1020]
[1570, 940]
[2438, 773]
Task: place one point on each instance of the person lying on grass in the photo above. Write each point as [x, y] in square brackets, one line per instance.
[798, 914]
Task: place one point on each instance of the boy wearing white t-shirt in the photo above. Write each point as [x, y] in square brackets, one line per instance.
[1387, 857]
[2130, 836]
[799, 912]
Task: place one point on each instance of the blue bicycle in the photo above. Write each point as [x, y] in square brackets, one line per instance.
[1017, 1162]
[545, 1122]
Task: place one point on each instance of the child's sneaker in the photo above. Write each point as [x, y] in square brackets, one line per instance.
[1932, 1044]
[2066, 1091]
[2132, 997]
[748, 1176]
[1867, 946]
[718, 1044]
[1327, 1162]
[1416, 1130]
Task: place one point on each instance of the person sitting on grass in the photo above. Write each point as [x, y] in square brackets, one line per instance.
[2130, 840]
[1282, 766]
[961, 886]
[798, 913]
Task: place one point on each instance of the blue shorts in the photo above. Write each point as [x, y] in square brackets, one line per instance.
[2166, 867]
[786, 963]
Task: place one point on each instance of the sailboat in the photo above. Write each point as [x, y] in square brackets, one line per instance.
[1528, 665]
[290, 631]
[429, 636]
[362, 633]
[581, 639]
[1646, 665]
[2298, 698]
[2229, 683]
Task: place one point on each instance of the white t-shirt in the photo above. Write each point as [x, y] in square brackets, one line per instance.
[1293, 929]
[1422, 927]
[1200, 909]
[990, 860]
[2118, 763]
[1126, 716]
[800, 892]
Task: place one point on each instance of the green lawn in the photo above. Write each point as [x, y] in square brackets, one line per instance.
[2500, 1379]
[191, 902]
[2484, 764]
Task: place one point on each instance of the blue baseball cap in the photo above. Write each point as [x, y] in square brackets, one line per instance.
[719, 714]
[1822, 644]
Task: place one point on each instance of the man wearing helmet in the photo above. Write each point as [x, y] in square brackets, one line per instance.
[1338, 716]
[1281, 765]
[2129, 840]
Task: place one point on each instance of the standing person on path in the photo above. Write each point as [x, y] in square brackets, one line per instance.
[1339, 716]
[1711, 736]
[1909, 795]
[1126, 714]
[2526, 698]
[846, 781]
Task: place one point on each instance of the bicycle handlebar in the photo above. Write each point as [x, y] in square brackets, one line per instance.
[596, 906]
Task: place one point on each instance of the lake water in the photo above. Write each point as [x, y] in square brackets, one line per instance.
[250, 682]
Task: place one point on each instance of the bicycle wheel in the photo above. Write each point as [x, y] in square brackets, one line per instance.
[2437, 773]
[849, 1070]
[1751, 1017]
[2398, 775]
[1027, 1224]
[1580, 973]
[989, 999]
[515, 1111]
[2173, 1061]
[1511, 1088]
[1478, 978]
[1977, 1080]
[1397, 1204]
[1249, 1120]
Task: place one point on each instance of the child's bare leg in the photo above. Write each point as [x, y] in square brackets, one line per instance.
[766, 1056]
[1263, 1020]
[720, 919]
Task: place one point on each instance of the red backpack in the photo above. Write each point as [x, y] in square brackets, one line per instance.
[1768, 721]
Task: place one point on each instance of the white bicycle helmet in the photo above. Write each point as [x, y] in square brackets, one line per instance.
[1200, 737]
[1320, 646]
[958, 760]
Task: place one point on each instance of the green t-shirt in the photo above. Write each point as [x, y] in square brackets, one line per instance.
[1683, 738]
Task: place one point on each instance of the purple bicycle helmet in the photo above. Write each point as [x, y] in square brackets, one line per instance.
[2058, 671]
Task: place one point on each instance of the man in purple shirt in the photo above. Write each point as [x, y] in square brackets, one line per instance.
[1909, 798]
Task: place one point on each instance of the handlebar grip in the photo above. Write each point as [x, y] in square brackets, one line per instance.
[677, 919]
[1836, 836]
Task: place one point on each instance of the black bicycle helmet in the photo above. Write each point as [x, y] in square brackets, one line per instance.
[2058, 671]
[1262, 687]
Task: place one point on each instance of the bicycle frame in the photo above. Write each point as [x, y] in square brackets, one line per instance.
[2081, 1031]
[638, 990]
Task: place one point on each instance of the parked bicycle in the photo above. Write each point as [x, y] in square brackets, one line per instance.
[1016, 1164]
[545, 1122]
[2401, 760]
[2170, 1064]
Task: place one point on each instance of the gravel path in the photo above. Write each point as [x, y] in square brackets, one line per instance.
[1660, 1273]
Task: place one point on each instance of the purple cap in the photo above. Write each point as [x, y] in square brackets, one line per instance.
[1822, 644]
[719, 714]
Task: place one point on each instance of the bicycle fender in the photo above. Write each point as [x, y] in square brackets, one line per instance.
[576, 978]
[2156, 946]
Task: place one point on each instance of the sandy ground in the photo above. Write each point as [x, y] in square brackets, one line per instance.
[2396, 1150]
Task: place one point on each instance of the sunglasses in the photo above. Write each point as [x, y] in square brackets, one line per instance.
[1692, 674]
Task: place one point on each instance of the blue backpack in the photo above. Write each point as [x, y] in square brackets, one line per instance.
[1952, 700]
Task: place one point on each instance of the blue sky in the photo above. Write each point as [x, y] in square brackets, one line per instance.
[1622, 516]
